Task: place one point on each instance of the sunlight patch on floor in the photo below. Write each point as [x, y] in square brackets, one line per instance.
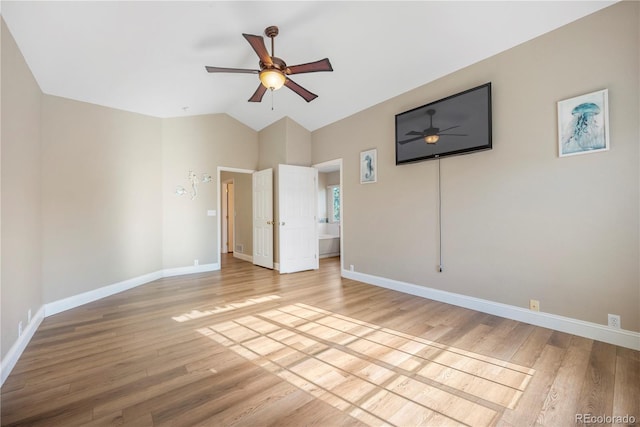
[378, 375]
[198, 314]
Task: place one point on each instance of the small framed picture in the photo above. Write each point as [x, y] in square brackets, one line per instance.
[583, 124]
[368, 166]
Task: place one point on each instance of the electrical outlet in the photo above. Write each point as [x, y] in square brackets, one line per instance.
[19, 329]
[351, 267]
[614, 321]
[196, 262]
[534, 305]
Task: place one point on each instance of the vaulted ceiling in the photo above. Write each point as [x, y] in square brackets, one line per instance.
[149, 57]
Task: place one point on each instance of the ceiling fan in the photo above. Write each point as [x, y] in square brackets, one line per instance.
[431, 135]
[274, 71]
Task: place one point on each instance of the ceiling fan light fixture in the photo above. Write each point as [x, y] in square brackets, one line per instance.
[272, 79]
[431, 139]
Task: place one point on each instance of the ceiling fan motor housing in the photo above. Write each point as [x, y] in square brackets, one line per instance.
[277, 63]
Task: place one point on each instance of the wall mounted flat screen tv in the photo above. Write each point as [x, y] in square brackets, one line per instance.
[457, 124]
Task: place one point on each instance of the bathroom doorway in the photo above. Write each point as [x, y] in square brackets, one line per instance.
[330, 209]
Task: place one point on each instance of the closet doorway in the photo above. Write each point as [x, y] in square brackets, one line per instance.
[227, 214]
[235, 234]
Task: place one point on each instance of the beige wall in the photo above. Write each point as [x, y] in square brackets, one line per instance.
[243, 185]
[333, 178]
[272, 146]
[201, 144]
[518, 221]
[21, 231]
[298, 144]
[102, 196]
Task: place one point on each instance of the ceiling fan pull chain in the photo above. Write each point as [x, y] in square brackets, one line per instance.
[271, 99]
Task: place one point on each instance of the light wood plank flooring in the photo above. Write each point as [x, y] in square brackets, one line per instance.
[247, 346]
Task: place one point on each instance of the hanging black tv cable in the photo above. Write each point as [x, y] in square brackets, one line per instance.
[440, 266]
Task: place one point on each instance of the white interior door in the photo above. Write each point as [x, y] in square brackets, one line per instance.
[298, 231]
[263, 218]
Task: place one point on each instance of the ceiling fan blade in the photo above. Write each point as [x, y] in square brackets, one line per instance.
[311, 67]
[230, 70]
[410, 140]
[452, 127]
[258, 94]
[308, 96]
[452, 134]
[413, 132]
[257, 43]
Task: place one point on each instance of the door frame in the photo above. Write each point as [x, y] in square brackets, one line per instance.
[330, 164]
[219, 214]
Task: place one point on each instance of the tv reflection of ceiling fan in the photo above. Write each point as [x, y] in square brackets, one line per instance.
[274, 72]
[431, 135]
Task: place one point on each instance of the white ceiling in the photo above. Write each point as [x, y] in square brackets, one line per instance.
[149, 56]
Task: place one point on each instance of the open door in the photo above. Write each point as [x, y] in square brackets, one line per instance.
[263, 218]
[298, 231]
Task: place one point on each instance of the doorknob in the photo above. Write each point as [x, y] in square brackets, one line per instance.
[282, 223]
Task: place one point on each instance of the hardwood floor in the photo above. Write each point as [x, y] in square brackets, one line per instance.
[247, 346]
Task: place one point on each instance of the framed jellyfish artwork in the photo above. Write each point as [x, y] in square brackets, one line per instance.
[583, 124]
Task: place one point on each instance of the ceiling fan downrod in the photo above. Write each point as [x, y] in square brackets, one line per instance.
[271, 32]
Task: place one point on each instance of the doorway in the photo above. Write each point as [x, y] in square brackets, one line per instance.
[227, 215]
[240, 249]
[330, 210]
[234, 207]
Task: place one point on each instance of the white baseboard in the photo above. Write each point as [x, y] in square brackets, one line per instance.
[621, 337]
[243, 257]
[11, 358]
[329, 255]
[96, 294]
[179, 271]
[105, 291]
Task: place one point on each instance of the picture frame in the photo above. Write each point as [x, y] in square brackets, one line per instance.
[369, 166]
[583, 124]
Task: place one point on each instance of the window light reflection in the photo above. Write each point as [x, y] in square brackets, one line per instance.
[377, 375]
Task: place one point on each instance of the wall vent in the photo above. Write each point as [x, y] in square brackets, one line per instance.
[240, 248]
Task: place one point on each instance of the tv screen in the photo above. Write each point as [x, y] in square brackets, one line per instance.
[457, 124]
